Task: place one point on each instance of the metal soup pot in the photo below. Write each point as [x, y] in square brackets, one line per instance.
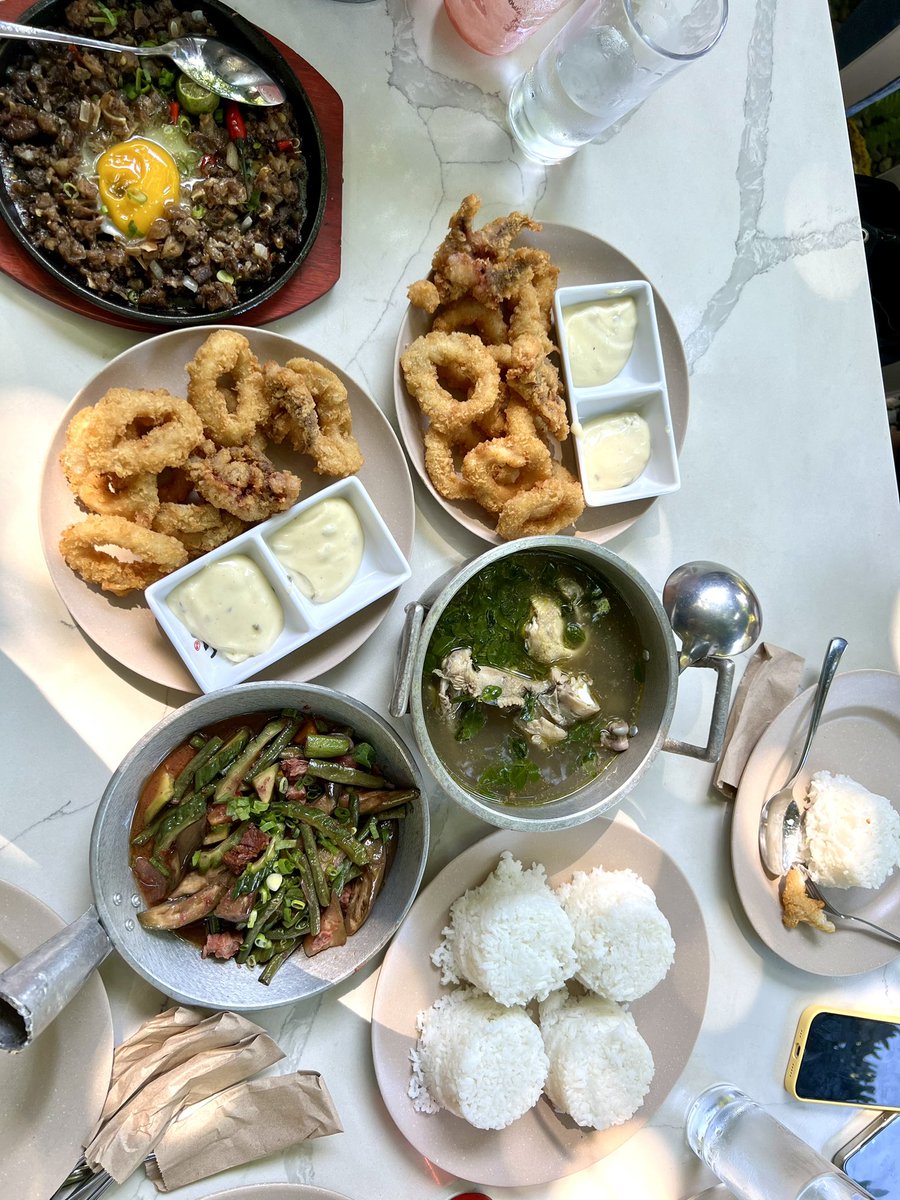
[654, 716]
[39, 986]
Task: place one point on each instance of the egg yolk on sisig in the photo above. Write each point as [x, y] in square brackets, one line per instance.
[138, 180]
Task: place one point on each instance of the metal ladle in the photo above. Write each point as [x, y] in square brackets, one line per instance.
[208, 62]
[713, 610]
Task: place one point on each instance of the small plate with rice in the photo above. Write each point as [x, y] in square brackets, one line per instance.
[859, 737]
[542, 1145]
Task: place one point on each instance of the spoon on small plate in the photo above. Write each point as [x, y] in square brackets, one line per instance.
[714, 611]
[207, 61]
[780, 822]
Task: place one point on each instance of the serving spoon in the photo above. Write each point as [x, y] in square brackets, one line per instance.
[714, 611]
[210, 63]
[780, 822]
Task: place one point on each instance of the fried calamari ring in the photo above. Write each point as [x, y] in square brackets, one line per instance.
[467, 314]
[242, 481]
[468, 358]
[199, 527]
[73, 458]
[441, 454]
[546, 508]
[291, 408]
[132, 431]
[226, 388]
[146, 556]
[135, 498]
[499, 469]
[335, 451]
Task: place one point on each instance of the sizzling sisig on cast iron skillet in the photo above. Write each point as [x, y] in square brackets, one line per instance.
[234, 30]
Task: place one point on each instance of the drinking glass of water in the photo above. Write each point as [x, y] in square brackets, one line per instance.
[755, 1156]
[603, 63]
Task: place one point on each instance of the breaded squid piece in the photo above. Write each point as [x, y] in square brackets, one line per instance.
[291, 408]
[87, 545]
[242, 481]
[226, 388]
[468, 359]
[546, 508]
[199, 527]
[335, 451]
[133, 431]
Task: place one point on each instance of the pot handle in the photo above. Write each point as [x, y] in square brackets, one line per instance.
[724, 669]
[35, 990]
[409, 645]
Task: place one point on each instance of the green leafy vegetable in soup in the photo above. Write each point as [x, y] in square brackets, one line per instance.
[532, 679]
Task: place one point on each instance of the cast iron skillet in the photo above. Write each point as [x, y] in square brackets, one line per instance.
[231, 28]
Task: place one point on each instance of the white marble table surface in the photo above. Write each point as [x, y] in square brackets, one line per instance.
[732, 189]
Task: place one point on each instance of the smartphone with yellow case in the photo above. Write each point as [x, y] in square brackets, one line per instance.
[844, 1057]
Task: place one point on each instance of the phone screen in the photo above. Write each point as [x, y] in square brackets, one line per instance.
[876, 1164]
[851, 1060]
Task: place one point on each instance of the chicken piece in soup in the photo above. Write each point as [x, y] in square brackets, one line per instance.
[532, 679]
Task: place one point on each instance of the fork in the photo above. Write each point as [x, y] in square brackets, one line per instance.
[85, 1184]
[812, 890]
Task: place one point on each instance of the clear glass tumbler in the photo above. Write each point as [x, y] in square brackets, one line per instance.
[605, 61]
[755, 1156]
[498, 26]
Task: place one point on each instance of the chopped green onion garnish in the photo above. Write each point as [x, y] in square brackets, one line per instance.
[224, 277]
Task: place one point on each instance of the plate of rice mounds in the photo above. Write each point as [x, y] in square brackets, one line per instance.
[850, 804]
[479, 395]
[182, 443]
[539, 1002]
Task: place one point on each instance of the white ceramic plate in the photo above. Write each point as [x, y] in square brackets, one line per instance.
[581, 258]
[125, 628]
[52, 1093]
[542, 1145]
[278, 1191]
[859, 736]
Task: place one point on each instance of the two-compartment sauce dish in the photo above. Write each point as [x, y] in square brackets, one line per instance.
[234, 611]
[616, 385]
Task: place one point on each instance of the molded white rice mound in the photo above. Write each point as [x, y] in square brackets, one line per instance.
[623, 942]
[852, 835]
[477, 1059]
[509, 936]
[600, 1066]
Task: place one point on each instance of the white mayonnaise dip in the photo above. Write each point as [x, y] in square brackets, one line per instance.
[231, 606]
[600, 338]
[615, 448]
[321, 549]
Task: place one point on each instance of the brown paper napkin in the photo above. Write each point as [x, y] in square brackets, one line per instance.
[769, 683]
[241, 1125]
[165, 1042]
[129, 1136]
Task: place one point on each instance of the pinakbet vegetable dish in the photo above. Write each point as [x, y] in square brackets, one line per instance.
[532, 679]
[139, 185]
[265, 833]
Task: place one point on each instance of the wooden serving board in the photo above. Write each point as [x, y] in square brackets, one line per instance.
[319, 271]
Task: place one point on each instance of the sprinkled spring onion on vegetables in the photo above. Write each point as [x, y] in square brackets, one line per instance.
[298, 843]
